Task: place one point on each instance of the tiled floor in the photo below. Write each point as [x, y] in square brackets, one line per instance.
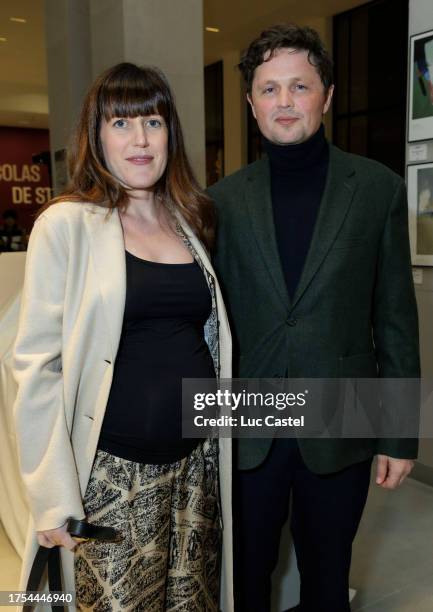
[392, 567]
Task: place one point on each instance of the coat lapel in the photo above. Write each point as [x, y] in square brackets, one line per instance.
[337, 198]
[107, 248]
[258, 196]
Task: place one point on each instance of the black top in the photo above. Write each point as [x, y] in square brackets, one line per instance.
[298, 177]
[162, 341]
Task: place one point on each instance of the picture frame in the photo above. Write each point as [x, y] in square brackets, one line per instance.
[420, 120]
[420, 200]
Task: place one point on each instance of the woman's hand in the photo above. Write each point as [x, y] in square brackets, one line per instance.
[56, 537]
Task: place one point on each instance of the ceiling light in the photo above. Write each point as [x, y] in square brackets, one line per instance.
[18, 19]
[212, 29]
[3, 39]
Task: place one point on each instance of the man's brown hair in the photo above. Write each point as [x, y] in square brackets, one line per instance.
[287, 36]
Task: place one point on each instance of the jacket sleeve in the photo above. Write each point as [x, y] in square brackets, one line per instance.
[395, 328]
[44, 447]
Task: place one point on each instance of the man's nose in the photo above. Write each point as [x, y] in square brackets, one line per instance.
[285, 98]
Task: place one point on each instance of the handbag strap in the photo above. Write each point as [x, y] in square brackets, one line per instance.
[83, 529]
[51, 557]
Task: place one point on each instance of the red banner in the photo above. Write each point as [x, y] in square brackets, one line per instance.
[24, 185]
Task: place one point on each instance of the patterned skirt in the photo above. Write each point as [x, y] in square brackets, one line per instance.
[169, 559]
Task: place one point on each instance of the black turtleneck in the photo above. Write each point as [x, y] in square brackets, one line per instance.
[298, 176]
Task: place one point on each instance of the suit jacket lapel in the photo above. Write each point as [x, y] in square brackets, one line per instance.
[107, 248]
[336, 201]
[258, 196]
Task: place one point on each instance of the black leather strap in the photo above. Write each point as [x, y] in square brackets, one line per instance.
[51, 557]
[54, 571]
[82, 529]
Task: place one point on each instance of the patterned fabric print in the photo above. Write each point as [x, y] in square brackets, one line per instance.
[211, 332]
[169, 515]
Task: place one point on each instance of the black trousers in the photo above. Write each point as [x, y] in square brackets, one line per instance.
[326, 511]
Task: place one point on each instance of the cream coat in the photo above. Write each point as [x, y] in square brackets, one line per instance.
[69, 331]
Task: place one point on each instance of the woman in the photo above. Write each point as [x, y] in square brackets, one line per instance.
[118, 299]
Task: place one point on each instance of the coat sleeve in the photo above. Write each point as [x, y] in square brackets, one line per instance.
[45, 452]
[395, 328]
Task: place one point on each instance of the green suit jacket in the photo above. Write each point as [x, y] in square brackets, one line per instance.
[353, 313]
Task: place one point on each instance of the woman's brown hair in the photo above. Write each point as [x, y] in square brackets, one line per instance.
[127, 90]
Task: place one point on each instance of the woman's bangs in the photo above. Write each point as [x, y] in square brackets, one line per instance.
[130, 101]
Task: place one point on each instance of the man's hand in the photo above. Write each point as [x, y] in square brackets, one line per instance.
[56, 537]
[391, 472]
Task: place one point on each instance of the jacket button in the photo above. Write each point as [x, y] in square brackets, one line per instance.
[291, 322]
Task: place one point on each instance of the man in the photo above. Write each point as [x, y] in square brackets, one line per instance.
[313, 255]
[11, 235]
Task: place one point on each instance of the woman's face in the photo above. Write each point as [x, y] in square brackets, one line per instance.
[135, 149]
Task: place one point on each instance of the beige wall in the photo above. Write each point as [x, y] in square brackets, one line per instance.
[85, 37]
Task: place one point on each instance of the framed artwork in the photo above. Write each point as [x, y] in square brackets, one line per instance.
[420, 196]
[421, 87]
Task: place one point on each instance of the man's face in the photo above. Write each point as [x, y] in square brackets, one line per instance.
[9, 221]
[288, 98]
